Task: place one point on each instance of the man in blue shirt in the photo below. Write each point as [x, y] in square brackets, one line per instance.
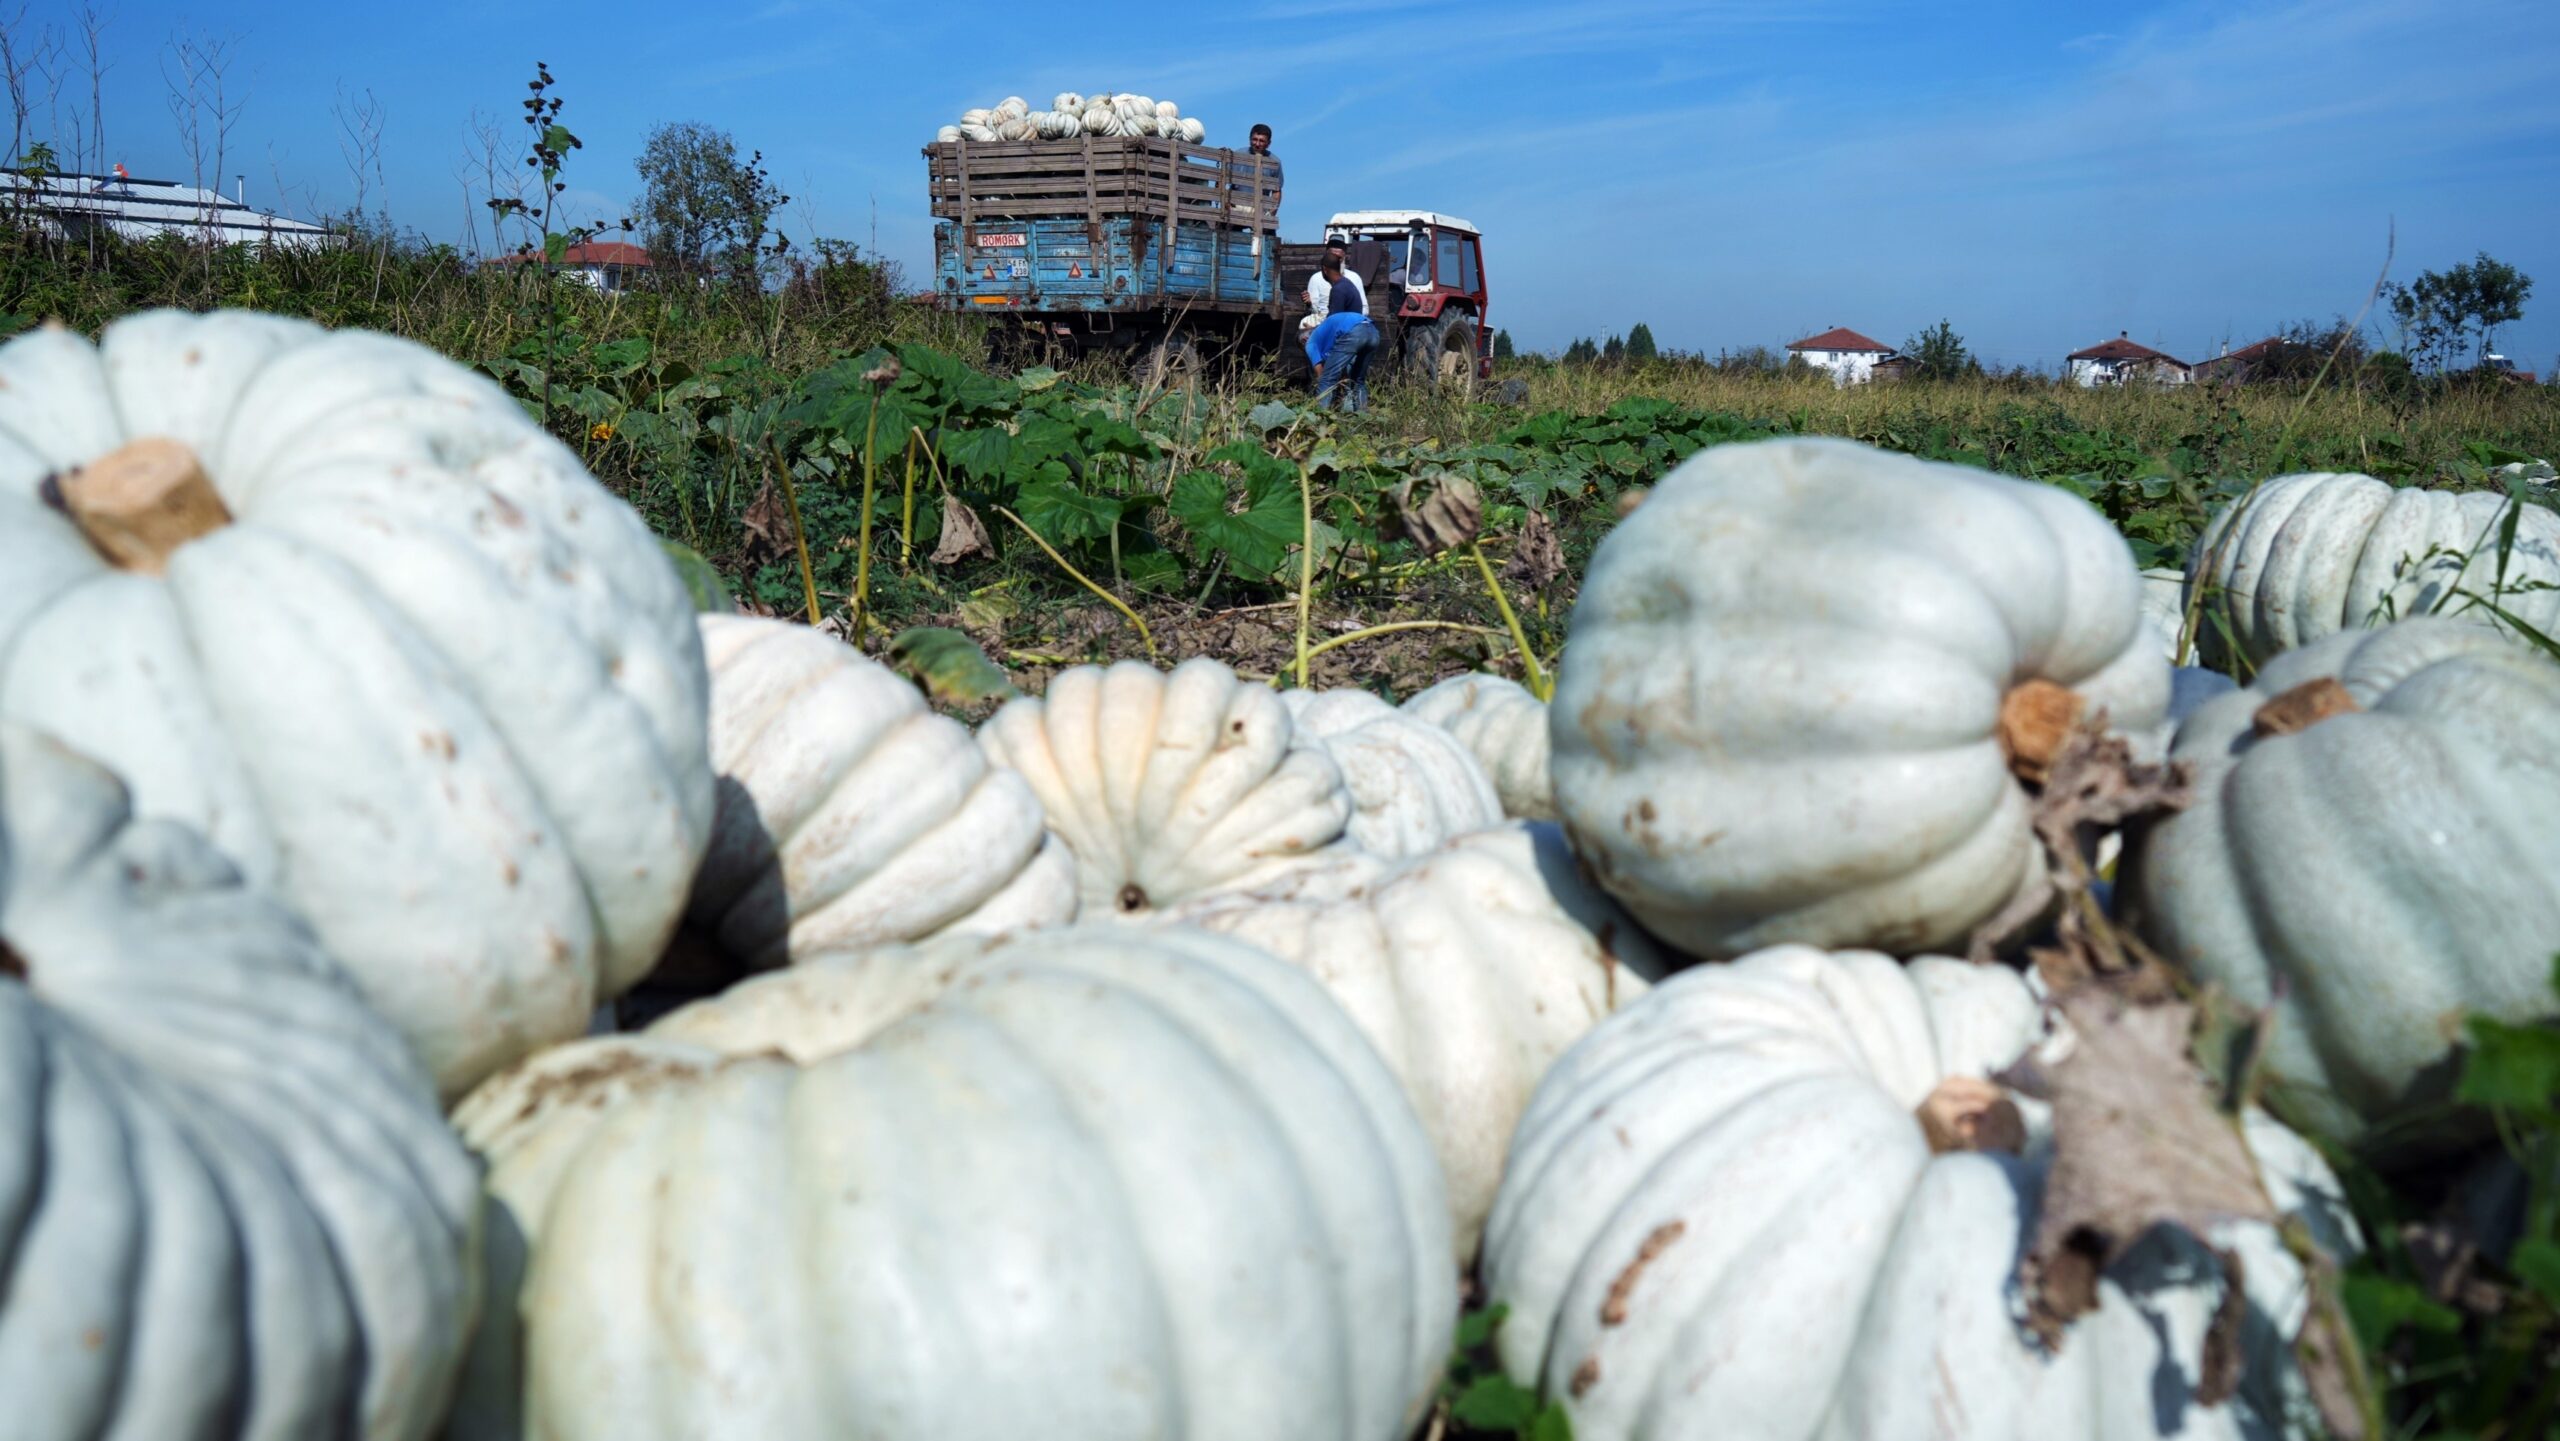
[1340, 347]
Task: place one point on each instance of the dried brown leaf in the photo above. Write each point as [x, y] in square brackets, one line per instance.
[963, 534]
[1538, 557]
[2138, 1143]
[767, 527]
[1438, 510]
[2091, 784]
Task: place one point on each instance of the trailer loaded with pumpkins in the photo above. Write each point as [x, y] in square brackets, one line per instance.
[1168, 253]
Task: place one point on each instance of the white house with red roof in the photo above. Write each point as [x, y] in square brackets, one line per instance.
[2114, 362]
[1850, 357]
[608, 265]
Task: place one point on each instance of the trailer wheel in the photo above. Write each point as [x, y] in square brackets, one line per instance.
[1444, 352]
[1171, 363]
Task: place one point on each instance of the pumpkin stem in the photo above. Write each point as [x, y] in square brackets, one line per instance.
[2036, 716]
[139, 502]
[2303, 707]
[12, 965]
[1968, 1113]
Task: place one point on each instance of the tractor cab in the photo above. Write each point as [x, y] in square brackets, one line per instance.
[1425, 277]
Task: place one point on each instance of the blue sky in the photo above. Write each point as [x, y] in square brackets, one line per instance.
[1733, 174]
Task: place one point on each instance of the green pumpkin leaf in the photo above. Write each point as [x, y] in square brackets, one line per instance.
[1476, 1328]
[701, 579]
[1552, 1425]
[621, 357]
[1495, 1403]
[1270, 415]
[1256, 540]
[1064, 514]
[2512, 1066]
[2379, 1306]
[2536, 1262]
[948, 666]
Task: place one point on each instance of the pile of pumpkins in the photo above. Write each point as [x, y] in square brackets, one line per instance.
[1162, 1057]
[1071, 115]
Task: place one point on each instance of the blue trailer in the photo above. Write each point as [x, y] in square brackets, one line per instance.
[1149, 246]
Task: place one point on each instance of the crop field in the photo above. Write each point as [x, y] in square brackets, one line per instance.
[830, 452]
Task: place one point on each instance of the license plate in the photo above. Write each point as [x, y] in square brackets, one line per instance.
[995, 239]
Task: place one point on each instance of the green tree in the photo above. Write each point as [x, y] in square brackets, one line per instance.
[2446, 312]
[1640, 342]
[1502, 347]
[703, 210]
[1581, 352]
[1615, 352]
[1938, 353]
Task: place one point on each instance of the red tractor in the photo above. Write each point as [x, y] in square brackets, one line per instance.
[1424, 275]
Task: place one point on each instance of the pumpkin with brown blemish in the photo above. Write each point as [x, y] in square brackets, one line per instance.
[340, 604]
[2373, 846]
[1783, 1198]
[1837, 675]
[967, 1189]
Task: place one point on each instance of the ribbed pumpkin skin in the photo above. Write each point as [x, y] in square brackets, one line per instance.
[1094, 1182]
[850, 813]
[229, 1205]
[1721, 1219]
[2389, 868]
[1470, 968]
[1413, 786]
[432, 683]
[1505, 727]
[2310, 555]
[1777, 714]
[1166, 784]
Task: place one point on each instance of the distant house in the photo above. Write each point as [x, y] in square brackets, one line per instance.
[2244, 363]
[609, 265]
[74, 207]
[1850, 357]
[2117, 361]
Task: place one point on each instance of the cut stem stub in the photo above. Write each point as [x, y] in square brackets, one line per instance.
[1968, 1113]
[2036, 716]
[139, 502]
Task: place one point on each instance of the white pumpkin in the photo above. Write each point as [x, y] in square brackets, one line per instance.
[850, 813]
[229, 1205]
[396, 652]
[1470, 968]
[1099, 119]
[1012, 107]
[1168, 784]
[1802, 679]
[1017, 127]
[1722, 1218]
[1070, 125]
[2385, 844]
[2164, 605]
[982, 134]
[1068, 103]
[978, 115]
[1193, 132]
[2310, 555]
[1108, 1183]
[1412, 784]
[1504, 727]
[1167, 110]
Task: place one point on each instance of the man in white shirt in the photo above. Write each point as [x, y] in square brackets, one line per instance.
[1320, 285]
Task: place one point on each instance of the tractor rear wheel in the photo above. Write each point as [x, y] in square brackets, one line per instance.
[1443, 353]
